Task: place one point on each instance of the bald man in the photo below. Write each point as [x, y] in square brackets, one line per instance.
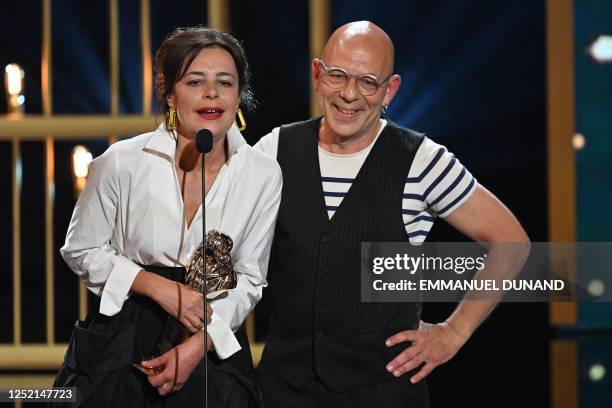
[351, 177]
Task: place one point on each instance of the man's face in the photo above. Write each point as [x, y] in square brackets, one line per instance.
[348, 113]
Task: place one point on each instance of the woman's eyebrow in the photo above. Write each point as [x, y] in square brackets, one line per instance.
[200, 73]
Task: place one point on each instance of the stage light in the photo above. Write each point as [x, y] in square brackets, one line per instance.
[81, 158]
[13, 82]
[597, 372]
[601, 49]
[596, 288]
[578, 141]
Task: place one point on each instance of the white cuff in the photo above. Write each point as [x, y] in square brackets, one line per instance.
[222, 337]
[118, 285]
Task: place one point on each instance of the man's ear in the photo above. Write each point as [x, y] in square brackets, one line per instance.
[316, 73]
[392, 87]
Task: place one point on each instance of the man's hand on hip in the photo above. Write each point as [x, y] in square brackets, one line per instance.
[432, 345]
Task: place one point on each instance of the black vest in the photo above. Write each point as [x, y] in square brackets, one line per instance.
[319, 326]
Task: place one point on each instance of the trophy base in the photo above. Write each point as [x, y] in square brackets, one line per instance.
[146, 370]
[173, 334]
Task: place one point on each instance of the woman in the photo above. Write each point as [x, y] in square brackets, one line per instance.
[138, 222]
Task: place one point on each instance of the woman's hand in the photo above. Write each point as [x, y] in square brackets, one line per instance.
[165, 293]
[189, 355]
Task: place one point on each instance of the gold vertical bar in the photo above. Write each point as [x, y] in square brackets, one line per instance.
[250, 327]
[49, 238]
[319, 31]
[46, 69]
[147, 65]
[47, 97]
[82, 301]
[564, 373]
[218, 14]
[114, 56]
[561, 182]
[561, 128]
[114, 62]
[16, 195]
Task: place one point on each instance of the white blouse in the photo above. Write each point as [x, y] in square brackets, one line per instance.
[131, 212]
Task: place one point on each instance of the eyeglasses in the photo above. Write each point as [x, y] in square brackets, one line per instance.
[367, 84]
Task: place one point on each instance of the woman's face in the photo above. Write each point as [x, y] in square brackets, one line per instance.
[206, 97]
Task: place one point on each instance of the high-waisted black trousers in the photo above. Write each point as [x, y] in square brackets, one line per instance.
[102, 349]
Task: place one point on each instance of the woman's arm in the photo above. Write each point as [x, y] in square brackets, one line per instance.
[87, 249]
[166, 294]
[89, 253]
[189, 353]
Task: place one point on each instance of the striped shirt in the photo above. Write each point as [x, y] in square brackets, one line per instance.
[436, 184]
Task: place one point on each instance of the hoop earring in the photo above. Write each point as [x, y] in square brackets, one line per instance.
[239, 121]
[172, 118]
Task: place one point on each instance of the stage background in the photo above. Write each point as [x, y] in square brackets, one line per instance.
[474, 78]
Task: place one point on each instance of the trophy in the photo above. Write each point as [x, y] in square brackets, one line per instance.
[220, 274]
[220, 277]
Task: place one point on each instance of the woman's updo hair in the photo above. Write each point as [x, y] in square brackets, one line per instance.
[179, 50]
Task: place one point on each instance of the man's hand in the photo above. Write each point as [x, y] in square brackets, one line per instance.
[190, 353]
[432, 345]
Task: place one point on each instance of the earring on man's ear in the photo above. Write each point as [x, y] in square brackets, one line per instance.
[239, 121]
[384, 109]
[172, 118]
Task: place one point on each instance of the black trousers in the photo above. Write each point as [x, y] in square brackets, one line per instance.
[314, 394]
[102, 349]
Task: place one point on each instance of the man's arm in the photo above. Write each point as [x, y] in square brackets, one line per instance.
[482, 218]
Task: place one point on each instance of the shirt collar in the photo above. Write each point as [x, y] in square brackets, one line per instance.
[163, 142]
[235, 140]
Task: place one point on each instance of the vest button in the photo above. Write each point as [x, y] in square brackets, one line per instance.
[320, 335]
[326, 239]
[323, 302]
[325, 272]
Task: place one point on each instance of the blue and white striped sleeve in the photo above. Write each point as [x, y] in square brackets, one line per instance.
[445, 183]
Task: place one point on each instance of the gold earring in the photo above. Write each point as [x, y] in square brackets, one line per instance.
[172, 118]
[239, 121]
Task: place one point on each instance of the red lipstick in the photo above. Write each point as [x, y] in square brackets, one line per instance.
[210, 112]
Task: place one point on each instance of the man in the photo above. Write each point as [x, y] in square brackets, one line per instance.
[352, 177]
